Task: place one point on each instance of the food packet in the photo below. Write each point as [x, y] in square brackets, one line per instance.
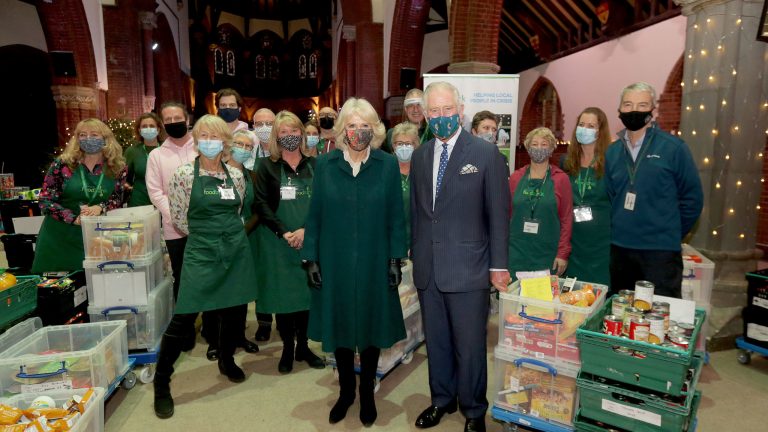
[65, 424]
[49, 413]
[21, 427]
[9, 415]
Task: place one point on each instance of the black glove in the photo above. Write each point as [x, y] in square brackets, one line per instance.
[314, 280]
[395, 274]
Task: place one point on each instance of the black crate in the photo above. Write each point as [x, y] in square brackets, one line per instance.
[56, 306]
[20, 250]
[757, 288]
[15, 208]
[755, 325]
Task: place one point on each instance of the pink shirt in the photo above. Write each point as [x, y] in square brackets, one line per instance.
[241, 125]
[161, 165]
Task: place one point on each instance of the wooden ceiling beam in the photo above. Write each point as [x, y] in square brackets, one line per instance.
[541, 18]
[523, 41]
[517, 23]
[543, 5]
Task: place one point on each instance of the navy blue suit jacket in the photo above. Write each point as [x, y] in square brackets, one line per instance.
[466, 234]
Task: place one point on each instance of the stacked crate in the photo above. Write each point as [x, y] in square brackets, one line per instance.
[756, 313]
[537, 359]
[698, 280]
[125, 273]
[633, 385]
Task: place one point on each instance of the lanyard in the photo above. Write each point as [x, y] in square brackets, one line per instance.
[583, 183]
[96, 191]
[635, 165]
[423, 135]
[538, 192]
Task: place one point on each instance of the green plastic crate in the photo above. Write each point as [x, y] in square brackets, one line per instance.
[646, 365]
[634, 409]
[583, 424]
[18, 300]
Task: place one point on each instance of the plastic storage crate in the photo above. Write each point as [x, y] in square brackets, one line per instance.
[536, 388]
[91, 421]
[87, 355]
[18, 300]
[414, 331]
[147, 323]
[634, 362]
[60, 303]
[540, 329]
[632, 408]
[123, 234]
[123, 283]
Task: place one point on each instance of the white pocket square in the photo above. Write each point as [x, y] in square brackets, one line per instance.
[468, 169]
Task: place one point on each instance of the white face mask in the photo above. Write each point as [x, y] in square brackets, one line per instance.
[585, 135]
[263, 132]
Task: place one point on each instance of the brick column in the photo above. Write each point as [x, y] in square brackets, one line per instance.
[370, 71]
[73, 103]
[349, 33]
[473, 36]
[148, 24]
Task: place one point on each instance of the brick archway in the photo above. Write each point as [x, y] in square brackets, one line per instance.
[542, 108]
[670, 101]
[168, 75]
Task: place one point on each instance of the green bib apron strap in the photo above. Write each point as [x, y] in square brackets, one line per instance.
[405, 184]
[281, 280]
[218, 266]
[534, 202]
[590, 239]
[59, 246]
[139, 194]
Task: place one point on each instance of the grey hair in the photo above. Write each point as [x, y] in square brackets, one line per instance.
[640, 86]
[442, 85]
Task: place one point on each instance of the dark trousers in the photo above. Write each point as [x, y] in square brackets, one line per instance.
[455, 328]
[180, 336]
[264, 319]
[663, 268]
[176, 254]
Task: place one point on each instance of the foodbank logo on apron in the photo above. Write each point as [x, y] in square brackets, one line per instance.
[209, 191]
[533, 193]
[306, 192]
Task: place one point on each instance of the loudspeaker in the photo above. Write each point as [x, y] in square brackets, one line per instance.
[407, 78]
[63, 63]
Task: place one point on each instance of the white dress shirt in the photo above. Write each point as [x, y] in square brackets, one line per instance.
[436, 160]
[356, 165]
[634, 147]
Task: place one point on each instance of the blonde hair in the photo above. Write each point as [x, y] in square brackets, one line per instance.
[363, 109]
[409, 129]
[540, 132]
[285, 118]
[216, 125]
[112, 152]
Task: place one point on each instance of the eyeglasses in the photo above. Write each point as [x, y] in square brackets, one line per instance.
[243, 145]
[83, 135]
[263, 124]
[402, 143]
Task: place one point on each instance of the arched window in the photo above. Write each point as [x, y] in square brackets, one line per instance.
[218, 61]
[313, 65]
[261, 67]
[274, 67]
[302, 66]
[230, 63]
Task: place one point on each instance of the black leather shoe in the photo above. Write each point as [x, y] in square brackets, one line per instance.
[431, 416]
[339, 410]
[163, 405]
[304, 354]
[263, 333]
[475, 425]
[231, 370]
[212, 354]
[249, 346]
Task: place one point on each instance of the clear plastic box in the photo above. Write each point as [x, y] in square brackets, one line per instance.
[698, 276]
[123, 234]
[414, 335]
[57, 357]
[91, 421]
[539, 328]
[146, 323]
[123, 283]
[537, 388]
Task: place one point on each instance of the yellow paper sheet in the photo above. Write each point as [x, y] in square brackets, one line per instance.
[537, 288]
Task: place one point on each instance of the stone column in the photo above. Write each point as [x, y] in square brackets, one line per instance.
[724, 121]
[148, 24]
[73, 103]
[349, 33]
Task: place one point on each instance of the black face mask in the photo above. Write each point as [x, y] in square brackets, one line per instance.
[326, 123]
[176, 130]
[635, 120]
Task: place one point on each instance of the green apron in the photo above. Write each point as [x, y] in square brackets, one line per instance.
[533, 202]
[405, 184]
[60, 245]
[590, 240]
[218, 269]
[280, 278]
[140, 195]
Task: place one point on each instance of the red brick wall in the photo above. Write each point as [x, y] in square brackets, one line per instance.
[66, 29]
[473, 34]
[169, 80]
[670, 101]
[123, 43]
[407, 40]
[533, 113]
[369, 69]
[356, 11]
[762, 220]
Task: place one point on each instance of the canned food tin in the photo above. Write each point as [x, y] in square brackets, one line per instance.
[628, 295]
[612, 325]
[629, 314]
[619, 305]
[662, 308]
[656, 335]
[672, 324]
[687, 329]
[680, 342]
[643, 295]
[639, 329]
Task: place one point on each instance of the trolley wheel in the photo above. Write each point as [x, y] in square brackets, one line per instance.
[509, 427]
[147, 374]
[744, 357]
[407, 358]
[129, 380]
[377, 385]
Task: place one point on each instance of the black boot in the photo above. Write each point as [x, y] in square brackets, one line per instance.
[170, 350]
[345, 365]
[230, 331]
[286, 328]
[265, 327]
[303, 352]
[369, 362]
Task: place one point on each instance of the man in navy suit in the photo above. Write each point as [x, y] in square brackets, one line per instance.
[460, 226]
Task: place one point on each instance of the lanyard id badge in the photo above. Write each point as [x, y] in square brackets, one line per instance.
[227, 193]
[582, 213]
[629, 201]
[288, 192]
[530, 226]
